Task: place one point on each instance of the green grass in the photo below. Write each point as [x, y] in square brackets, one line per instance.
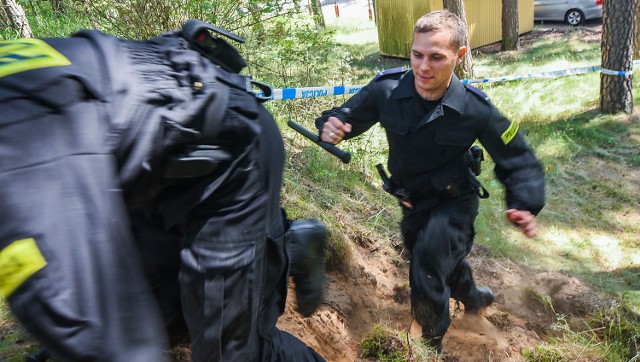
[353, 31]
[15, 343]
[45, 24]
[383, 346]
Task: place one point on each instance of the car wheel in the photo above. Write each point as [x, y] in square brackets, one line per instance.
[574, 17]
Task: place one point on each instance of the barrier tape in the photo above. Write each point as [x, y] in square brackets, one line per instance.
[313, 92]
[616, 72]
[553, 74]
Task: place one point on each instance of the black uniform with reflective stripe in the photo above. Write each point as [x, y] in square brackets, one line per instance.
[427, 151]
[427, 158]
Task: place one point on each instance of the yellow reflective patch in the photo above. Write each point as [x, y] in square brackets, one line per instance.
[511, 132]
[26, 54]
[18, 261]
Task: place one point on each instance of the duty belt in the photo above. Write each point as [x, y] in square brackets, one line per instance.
[399, 193]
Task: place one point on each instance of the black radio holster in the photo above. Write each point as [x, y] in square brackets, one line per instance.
[475, 156]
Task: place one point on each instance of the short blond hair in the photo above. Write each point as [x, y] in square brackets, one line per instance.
[444, 20]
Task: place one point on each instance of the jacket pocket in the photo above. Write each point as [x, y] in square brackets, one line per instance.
[218, 258]
[394, 123]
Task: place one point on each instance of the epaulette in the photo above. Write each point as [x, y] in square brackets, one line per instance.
[391, 71]
[478, 93]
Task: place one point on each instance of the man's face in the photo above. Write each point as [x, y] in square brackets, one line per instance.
[432, 62]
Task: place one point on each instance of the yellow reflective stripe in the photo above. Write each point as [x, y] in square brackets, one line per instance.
[26, 54]
[19, 261]
[511, 132]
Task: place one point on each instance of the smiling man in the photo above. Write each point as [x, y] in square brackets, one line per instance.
[432, 120]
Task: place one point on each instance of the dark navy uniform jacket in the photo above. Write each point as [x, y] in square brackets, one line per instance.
[427, 151]
[90, 124]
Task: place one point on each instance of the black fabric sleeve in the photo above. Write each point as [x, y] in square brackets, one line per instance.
[364, 107]
[516, 166]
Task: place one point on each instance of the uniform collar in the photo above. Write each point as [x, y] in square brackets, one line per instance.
[406, 87]
[453, 97]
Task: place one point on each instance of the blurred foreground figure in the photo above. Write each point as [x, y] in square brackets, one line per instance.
[141, 185]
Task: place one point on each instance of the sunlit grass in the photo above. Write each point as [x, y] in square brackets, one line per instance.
[350, 31]
[543, 55]
[15, 343]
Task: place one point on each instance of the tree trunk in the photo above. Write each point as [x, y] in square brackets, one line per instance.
[4, 20]
[57, 6]
[636, 29]
[464, 70]
[298, 6]
[510, 25]
[316, 10]
[617, 57]
[17, 17]
[375, 11]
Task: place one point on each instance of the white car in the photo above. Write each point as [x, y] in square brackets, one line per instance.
[574, 12]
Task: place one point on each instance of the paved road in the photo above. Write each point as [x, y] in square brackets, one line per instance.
[346, 8]
[594, 24]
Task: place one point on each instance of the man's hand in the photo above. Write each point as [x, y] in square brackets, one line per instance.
[333, 130]
[523, 220]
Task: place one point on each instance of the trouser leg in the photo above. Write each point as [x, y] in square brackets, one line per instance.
[160, 253]
[439, 239]
[286, 348]
[220, 286]
[89, 302]
[428, 275]
[219, 311]
[462, 285]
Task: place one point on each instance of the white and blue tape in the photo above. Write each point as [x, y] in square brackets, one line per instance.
[313, 92]
[553, 74]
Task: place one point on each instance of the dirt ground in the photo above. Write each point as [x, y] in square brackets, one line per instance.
[374, 290]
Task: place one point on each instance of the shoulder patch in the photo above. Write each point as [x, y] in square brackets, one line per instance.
[511, 132]
[26, 54]
[18, 262]
[399, 70]
[478, 93]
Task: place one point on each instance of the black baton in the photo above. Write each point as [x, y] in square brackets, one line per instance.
[342, 155]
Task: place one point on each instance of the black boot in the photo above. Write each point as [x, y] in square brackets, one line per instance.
[308, 240]
[484, 298]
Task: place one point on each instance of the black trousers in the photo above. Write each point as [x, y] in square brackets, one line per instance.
[231, 311]
[439, 239]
